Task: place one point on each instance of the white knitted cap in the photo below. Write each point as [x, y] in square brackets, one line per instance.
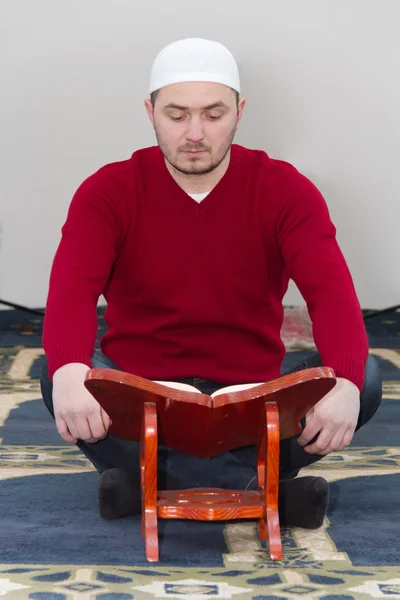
[194, 59]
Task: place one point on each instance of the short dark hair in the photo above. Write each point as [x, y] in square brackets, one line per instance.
[153, 97]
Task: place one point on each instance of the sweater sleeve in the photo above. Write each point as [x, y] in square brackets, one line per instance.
[313, 259]
[81, 268]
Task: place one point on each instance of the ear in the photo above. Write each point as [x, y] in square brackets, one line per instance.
[241, 105]
[149, 108]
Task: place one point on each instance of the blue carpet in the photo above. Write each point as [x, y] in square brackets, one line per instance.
[33, 532]
[55, 547]
[356, 504]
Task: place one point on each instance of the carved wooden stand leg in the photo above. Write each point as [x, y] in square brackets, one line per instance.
[148, 476]
[268, 481]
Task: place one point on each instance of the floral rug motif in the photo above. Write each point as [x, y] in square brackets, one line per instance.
[53, 545]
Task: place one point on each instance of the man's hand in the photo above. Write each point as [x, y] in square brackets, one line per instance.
[334, 418]
[78, 415]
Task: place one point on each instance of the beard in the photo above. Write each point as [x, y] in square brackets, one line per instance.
[196, 165]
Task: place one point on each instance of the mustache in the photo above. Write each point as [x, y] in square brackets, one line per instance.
[194, 149]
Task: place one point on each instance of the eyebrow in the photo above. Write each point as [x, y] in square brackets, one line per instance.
[219, 104]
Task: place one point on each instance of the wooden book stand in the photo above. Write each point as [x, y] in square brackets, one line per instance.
[204, 426]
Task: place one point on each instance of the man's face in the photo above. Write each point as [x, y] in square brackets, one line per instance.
[195, 124]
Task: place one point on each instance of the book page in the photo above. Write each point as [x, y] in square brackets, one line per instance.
[234, 388]
[179, 386]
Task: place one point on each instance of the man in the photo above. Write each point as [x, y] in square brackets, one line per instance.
[192, 242]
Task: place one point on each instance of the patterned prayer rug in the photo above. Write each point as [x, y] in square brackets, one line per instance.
[53, 545]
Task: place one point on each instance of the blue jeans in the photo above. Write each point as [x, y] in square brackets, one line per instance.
[235, 469]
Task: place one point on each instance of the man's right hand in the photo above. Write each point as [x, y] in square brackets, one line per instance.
[78, 415]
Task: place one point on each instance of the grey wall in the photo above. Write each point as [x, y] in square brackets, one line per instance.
[321, 78]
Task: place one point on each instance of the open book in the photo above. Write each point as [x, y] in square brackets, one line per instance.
[204, 425]
[186, 387]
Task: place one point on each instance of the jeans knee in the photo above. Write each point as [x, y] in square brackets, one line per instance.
[373, 380]
[371, 394]
[46, 388]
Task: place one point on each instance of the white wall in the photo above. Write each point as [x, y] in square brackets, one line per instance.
[322, 81]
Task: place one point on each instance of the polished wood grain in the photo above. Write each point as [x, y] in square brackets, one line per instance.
[268, 481]
[200, 425]
[261, 467]
[209, 504]
[124, 395]
[272, 448]
[204, 426]
[148, 472]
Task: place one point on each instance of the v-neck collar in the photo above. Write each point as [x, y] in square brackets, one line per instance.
[180, 192]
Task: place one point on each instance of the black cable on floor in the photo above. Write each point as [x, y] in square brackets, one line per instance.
[20, 307]
[376, 313]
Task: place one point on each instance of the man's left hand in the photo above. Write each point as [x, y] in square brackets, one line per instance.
[334, 418]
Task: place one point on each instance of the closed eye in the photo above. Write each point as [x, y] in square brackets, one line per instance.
[180, 118]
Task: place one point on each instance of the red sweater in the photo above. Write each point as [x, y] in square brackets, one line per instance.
[195, 290]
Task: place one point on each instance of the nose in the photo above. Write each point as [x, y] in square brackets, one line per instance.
[195, 132]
